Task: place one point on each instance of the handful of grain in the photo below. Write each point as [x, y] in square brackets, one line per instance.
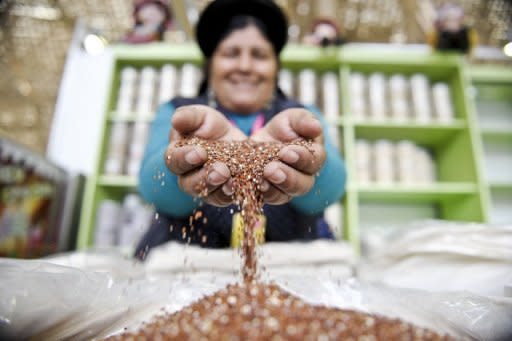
[246, 161]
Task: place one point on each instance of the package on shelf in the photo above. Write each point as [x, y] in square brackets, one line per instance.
[377, 96]
[420, 95]
[357, 90]
[384, 161]
[140, 131]
[426, 170]
[398, 97]
[330, 95]
[134, 220]
[363, 152]
[107, 217]
[307, 87]
[310, 87]
[146, 92]
[189, 80]
[168, 83]
[117, 148]
[405, 152]
[286, 82]
[383, 165]
[441, 97]
[126, 95]
[121, 224]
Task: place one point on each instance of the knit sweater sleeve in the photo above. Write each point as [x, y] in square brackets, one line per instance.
[329, 185]
[157, 185]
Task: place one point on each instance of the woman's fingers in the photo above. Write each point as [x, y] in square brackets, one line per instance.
[307, 160]
[287, 179]
[182, 160]
[204, 122]
[290, 125]
[215, 179]
[304, 123]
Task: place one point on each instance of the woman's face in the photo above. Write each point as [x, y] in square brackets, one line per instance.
[243, 71]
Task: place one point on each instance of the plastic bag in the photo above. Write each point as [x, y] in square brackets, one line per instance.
[50, 301]
[443, 256]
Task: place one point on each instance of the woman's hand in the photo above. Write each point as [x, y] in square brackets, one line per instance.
[294, 173]
[187, 161]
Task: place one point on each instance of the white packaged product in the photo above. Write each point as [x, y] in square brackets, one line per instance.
[125, 99]
[148, 74]
[383, 165]
[330, 96]
[363, 151]
[286, 82]
[168, 81]
[128, 74]
[117, 148]
[189, 80]
[307, 87]
[146, 93]
[442, 102]
[398, 98]
[405, 152]
[133, 222]
[357, 99]
[420, 94]
[107, 219]
[144, 106]
[357, 84]
[425, 164]
[377, 96]
[140, 132]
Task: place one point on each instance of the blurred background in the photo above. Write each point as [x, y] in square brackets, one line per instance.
[59, 70]
[35, 36]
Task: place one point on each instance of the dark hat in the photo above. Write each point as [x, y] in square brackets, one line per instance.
[216, 16]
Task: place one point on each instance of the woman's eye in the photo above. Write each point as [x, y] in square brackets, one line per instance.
[230, 53]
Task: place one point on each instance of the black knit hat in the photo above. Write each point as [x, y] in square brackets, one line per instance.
[216, 16]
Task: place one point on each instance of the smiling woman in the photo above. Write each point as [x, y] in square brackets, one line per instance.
[238, 100]
[244, 70]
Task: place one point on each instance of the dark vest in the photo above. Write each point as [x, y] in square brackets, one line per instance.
[284, 223]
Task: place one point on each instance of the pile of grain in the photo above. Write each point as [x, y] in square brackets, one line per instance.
[254, 310]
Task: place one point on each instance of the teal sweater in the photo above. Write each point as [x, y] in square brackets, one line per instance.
[159, 186]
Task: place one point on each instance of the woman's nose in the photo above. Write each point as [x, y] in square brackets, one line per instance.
[244, 62]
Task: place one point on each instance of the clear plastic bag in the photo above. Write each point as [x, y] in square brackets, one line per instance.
[49, 301]
[443, 256]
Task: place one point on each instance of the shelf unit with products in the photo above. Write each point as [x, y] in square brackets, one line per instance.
[412, 146]
[492, 98]
[444, 139]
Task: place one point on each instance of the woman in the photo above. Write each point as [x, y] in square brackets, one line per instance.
[238, 99]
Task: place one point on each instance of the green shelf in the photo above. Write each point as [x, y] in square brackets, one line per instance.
[461, 192]
[505, 186]
[436, 192]
[123, 181]
[425, 134]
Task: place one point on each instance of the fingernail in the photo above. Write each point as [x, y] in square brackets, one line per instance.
[278, 176]
[290, 156]
[215, 178]
[264, 186]
[228, 190]
[193, 157]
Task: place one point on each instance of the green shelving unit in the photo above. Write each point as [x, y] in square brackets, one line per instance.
[492, 101]
[461, 192]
